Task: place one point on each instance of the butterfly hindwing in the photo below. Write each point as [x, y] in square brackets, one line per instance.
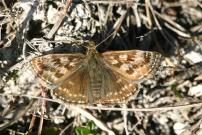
[133, 64]
[117, 88]
[74, 88]
[77, 88]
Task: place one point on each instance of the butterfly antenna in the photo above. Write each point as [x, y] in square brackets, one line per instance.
[105, 39]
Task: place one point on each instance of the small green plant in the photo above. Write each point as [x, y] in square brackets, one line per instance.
[177, 93]
[50, 131]
[88, 129]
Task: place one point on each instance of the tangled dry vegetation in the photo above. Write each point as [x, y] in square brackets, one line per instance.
[169, 103]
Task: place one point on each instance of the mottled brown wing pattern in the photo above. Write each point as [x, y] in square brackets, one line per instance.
[105, 78]
[133, 64]
[54, 68]
[117, 88]
[74, 88]
[114, 88]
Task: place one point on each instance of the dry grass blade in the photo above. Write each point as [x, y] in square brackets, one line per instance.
[100, 124]
[60, 18]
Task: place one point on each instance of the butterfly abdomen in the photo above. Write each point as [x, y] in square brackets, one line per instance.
[95, 78]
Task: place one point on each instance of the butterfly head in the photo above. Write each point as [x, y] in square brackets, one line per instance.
[91, 48]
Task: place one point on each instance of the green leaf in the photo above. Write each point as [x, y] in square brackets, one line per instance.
[89, 129]
[50, 131]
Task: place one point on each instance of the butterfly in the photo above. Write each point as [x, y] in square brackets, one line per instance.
[95, 78]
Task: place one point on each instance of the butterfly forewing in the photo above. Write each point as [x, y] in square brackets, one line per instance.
[134, 64]
[54, 68]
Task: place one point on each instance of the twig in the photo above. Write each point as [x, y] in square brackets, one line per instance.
[111, 1]
[31, 124]
[137, 16]
[166, 108]
[60, 19]
[153, 14]
[178, 29]
[63, 131]
[96, 121]
[43, 104]
[125, 113]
